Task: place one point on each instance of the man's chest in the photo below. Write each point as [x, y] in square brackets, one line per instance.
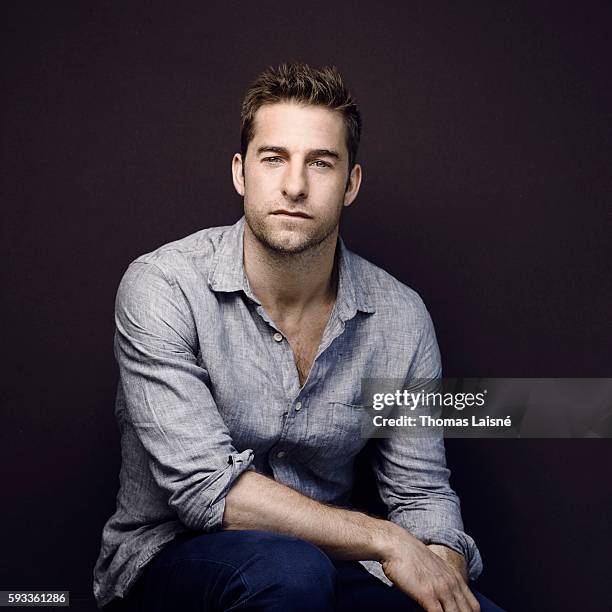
[292, 389]
[257, 357]
[304, 338]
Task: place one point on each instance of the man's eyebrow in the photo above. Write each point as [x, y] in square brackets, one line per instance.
[324, 153]
[311, 153]
[271, 149]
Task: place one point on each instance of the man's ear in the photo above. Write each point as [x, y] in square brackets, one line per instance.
[352, 185]
[238, 173]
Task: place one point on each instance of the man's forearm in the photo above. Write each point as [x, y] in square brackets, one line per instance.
[258, 502]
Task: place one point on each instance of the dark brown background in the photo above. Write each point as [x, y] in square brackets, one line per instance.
[486, 149]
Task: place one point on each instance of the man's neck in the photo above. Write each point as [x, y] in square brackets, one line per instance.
[291, 283]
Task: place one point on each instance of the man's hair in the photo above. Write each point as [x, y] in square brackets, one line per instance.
[300, 83]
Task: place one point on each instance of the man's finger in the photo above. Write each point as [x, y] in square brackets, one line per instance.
[472, 601]
[448, 598]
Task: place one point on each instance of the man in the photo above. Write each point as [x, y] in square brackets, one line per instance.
[241, 352]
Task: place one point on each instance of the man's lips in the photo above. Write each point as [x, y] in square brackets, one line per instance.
[292, 213]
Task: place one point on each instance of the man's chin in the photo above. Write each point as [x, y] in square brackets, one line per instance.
[285, 241]
[288, 247]
[277, 238]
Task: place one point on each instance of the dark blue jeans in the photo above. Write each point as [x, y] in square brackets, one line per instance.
[258, 570]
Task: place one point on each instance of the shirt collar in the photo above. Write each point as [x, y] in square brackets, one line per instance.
[227, 273]
[227, 270]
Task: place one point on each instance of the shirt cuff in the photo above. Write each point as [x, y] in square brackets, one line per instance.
[458, 541]
[237, 463]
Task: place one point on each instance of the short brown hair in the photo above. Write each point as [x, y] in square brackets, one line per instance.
[299, 82]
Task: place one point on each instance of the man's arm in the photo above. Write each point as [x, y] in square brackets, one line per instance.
[412, 476]
[166, 401]
[258, 502]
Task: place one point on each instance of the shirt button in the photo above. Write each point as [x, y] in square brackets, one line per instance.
[278, 336]
[298, 406]
[281, 454]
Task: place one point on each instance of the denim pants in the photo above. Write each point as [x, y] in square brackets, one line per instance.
[258, 570]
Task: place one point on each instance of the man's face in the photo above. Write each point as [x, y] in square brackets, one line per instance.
[295, 175]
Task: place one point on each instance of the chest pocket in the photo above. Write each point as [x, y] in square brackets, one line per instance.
[336, 437]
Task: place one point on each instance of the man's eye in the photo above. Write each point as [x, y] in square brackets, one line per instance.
[319, 163]
[272, 160]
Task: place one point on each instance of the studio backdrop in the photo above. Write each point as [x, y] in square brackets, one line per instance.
[487, 184]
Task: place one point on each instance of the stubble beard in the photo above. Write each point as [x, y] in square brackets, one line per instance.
[283, 248]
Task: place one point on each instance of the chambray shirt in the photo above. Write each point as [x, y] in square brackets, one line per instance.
[209, 388]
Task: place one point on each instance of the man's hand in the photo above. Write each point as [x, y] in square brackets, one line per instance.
[433, 582]
[452, 557]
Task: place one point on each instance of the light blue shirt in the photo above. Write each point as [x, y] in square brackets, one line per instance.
[209, 388]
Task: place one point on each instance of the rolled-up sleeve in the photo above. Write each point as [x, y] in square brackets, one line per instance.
[168, 400]
[412, 476]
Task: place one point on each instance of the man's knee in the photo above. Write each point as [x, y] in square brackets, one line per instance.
[246, 569]
[291, 570]
[284, 573]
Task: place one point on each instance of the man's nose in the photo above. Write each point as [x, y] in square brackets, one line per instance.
[295, 182]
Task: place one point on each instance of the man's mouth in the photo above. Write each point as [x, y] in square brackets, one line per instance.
[292, 213]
